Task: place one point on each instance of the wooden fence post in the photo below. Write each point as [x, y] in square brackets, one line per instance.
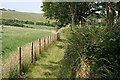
[39, 46]
[44, 44]
[48, 40]
[52, 38]
[32, 53]
[19, 62]
[35, 55]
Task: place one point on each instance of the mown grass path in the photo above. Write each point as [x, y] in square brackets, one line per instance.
[49, 64]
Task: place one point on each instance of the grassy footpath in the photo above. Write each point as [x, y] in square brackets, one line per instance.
[49, 64]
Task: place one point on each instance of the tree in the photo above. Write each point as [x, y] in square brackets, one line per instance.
[76, 12]
[67, 12]
[118, 9]
[57, 11]
[110, 14]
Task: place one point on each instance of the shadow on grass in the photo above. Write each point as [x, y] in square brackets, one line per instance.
[53, 62]
[60, 46]
[52, 69]
[43, 55]
[61, 40]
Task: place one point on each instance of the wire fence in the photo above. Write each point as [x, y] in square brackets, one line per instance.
[27, 54]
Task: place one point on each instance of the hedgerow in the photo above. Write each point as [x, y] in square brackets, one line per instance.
[43, 23]
[20, 23]
[95, 46]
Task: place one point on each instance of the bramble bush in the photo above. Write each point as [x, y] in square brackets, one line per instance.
[100, 45]
[108, 61]
[82, 41]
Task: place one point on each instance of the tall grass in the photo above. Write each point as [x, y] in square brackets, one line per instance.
[14, 37]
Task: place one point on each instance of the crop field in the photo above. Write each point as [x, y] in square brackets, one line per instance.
[35, 17]
[14, 37]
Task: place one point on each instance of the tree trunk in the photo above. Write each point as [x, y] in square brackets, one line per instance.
[72, 7]
[118, 14]
[110, 15]
[73, 19]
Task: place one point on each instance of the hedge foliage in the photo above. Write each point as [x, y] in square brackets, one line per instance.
[21, 23]
[100, 45]
[43, 23]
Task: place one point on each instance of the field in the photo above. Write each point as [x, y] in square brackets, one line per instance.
[16, 36]
[0, 40]
[35, 17]
[40, 27]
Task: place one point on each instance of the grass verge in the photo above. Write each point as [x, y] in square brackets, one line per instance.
[49, 64]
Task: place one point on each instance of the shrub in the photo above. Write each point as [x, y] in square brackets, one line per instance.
[108, 60]
[13, 24]
[42, 23]
[29, 22]
[82, 42]
[100, 48]
[18, 23]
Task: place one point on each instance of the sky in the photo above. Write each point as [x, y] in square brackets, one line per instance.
[22, 5]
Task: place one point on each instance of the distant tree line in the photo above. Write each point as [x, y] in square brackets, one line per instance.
[3, 9]
[20, 23]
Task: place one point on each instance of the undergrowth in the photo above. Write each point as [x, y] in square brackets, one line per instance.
[97, 47]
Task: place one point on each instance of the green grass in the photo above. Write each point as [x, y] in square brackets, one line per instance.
[49, 64]
[40, 27]
[0, 41]
[35, 17]
[14, 37]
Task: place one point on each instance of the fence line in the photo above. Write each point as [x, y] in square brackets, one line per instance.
[28, 54]
[31, 53]
[19, 61]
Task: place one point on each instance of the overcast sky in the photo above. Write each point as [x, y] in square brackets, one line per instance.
[23, 5]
